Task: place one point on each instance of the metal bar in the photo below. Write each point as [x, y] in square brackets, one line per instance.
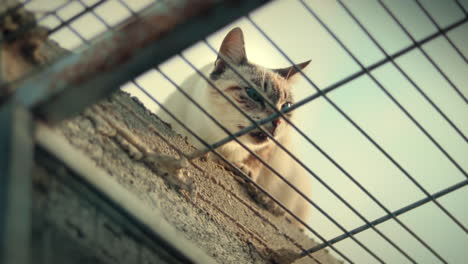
[87, 42]
[462, 8]
[69, 20]
[81, 79]
[434, 64]
[150, 222]
[239, 171]
[16, 163]
[123, 3]
[428, 15]
[342, 82]
[390, 216]
[83, 39]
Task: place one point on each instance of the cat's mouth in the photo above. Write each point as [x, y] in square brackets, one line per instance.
[259, 136]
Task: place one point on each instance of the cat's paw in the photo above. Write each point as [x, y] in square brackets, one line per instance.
[264, 200]
[100, 124]
[126, 145]
[245, 169]
[240, 175]
[273, 207]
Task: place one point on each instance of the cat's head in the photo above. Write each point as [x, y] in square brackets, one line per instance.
[250, 90]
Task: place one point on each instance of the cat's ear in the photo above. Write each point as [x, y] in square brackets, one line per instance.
[289, 72]
[232, 49]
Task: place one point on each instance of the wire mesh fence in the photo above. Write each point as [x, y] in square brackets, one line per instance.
[379, 54]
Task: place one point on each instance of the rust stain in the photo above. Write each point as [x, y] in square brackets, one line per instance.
[128, 40]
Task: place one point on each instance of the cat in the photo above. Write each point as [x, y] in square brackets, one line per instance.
[275, 85]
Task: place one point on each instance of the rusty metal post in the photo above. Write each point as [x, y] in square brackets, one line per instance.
[16, 162]
[163, 30]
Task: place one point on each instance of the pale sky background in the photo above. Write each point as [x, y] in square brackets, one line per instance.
[297, 32]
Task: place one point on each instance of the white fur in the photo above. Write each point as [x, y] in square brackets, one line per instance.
[199, 90]
[187, 112]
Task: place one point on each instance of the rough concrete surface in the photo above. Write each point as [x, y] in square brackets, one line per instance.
[217, 214]
[70, 226]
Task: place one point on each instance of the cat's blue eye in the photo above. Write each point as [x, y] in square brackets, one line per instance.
[252, 93]
[285, 106]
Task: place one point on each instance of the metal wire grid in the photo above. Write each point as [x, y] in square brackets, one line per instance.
[322, 93]
[369, 225]
[367, 71]
[429, 197]
[432, 198]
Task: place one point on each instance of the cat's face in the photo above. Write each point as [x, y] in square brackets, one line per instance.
[267, 84]
[249, 92]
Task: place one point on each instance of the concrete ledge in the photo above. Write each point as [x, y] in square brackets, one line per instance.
[218, 216]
